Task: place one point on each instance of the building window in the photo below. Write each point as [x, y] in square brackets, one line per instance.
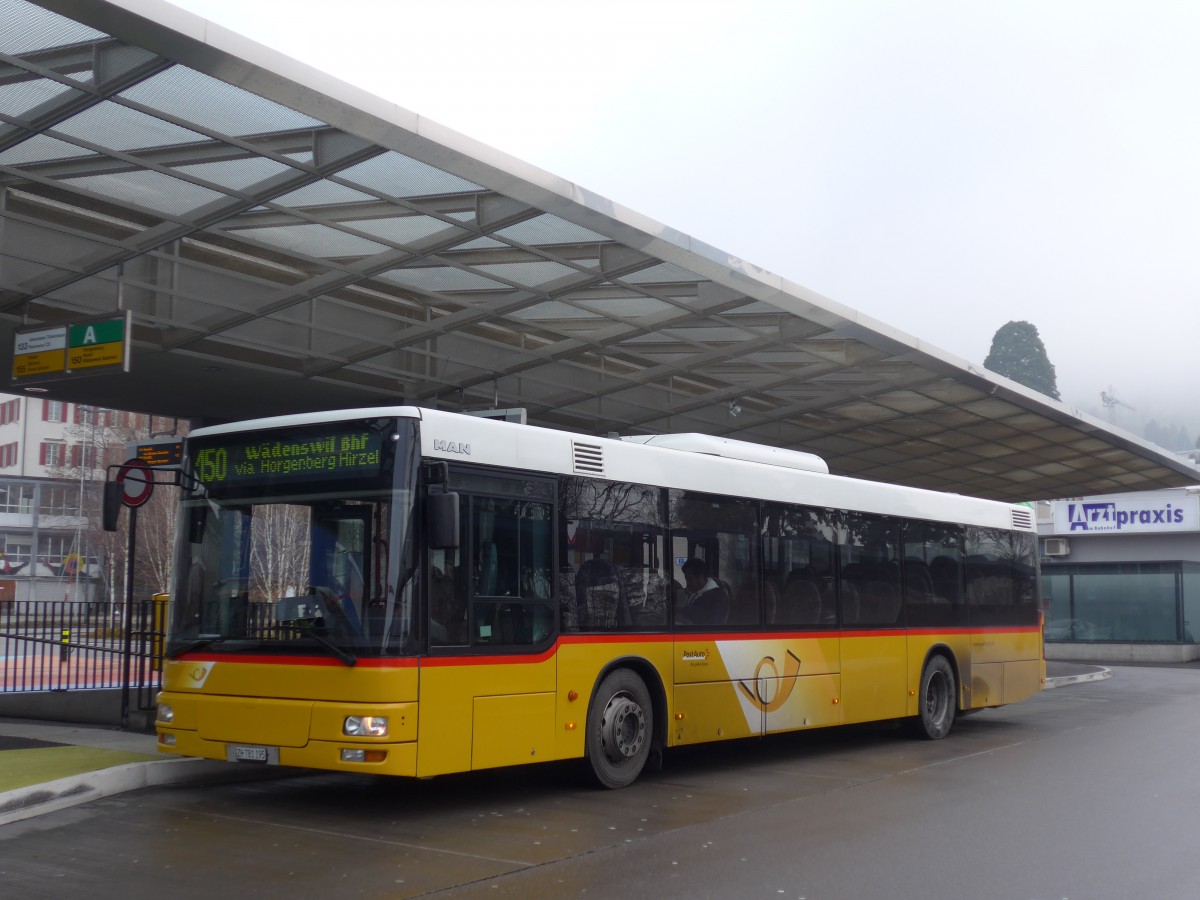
[16, 498]
[15, 553]
[53, 453]
[59, 500]
[54, 411]
[8, 455]
[10, 411]
[53, 549]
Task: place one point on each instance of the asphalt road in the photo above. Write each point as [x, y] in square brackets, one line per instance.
[1087, 792]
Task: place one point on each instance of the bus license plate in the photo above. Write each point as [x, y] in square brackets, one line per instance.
[252, 754]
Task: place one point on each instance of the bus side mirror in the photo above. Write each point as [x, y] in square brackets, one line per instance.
[441, 521]
[113, 493]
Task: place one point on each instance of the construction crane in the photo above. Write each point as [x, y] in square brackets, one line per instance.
[1110, 401]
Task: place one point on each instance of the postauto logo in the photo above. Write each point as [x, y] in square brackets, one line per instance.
[1105, 516]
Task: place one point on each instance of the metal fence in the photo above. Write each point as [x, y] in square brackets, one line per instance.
[60, 645]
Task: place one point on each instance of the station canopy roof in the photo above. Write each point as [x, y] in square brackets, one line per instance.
[285, 242]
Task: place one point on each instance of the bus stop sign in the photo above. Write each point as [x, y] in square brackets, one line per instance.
[137, 482]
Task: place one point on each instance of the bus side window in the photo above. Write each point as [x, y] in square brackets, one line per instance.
[610, 539]
[511, 553]
[447, 599]
[716, 560]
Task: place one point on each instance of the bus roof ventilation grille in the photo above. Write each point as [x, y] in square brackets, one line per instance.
[1023, 519]
[588, 458]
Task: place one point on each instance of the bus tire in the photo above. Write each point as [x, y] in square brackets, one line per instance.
[620, 729]
[937, 699]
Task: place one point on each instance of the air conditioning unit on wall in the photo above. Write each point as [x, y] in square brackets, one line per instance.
[1056, 547]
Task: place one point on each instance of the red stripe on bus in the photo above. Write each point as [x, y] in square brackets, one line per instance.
[375, 662]
[482, 659]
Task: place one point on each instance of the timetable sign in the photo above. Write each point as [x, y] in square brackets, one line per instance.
[102, 343]
[92, 347]
[42, 351]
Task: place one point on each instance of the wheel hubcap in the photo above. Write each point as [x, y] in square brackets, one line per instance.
[622, 728]
[935, 698]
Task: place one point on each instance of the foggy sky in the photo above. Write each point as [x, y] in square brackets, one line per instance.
[944, 167]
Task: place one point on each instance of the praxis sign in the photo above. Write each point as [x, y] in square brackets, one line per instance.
[1141, 516]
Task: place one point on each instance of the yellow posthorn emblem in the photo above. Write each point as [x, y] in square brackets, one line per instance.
[767, 669]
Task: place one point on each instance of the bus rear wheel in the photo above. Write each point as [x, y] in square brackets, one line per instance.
[620, 729]
[936, 704]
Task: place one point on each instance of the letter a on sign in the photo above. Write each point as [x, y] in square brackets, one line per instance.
[89, 336]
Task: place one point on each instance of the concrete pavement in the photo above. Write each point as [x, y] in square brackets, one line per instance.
[47, 766]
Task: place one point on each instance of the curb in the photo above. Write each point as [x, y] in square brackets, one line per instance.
[1100, 674]
[37, 799]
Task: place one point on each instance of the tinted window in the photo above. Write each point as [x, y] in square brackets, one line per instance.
[870, 570]
[610, 572]
[798, 566]
[932, 569]
[1001, 586]
[715, 566]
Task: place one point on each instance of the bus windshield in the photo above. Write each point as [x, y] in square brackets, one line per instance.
[299, 539]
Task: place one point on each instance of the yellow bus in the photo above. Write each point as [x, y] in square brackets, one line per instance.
[414, 592]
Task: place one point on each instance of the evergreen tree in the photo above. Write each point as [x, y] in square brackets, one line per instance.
[1018, 353]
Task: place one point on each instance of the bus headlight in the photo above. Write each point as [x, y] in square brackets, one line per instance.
[365, 726]
[165, 713]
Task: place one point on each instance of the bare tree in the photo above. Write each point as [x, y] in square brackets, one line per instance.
[98, 441]
[279, 552]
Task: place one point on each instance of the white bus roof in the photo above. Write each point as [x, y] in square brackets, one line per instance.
[692, 465]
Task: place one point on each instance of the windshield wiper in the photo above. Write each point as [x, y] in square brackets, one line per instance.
[202, 641]
[344, 655]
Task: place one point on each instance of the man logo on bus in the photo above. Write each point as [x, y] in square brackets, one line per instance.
[452, 447]
[759, 695]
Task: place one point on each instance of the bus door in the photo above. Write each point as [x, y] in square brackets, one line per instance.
[488, 681]
[798, 675]
[716, 571]
[874, 643]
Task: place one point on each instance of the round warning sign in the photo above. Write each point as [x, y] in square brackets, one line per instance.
[137, 483]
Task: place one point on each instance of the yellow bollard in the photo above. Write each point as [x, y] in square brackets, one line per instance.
[159, 627]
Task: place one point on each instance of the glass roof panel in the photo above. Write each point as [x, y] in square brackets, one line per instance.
[403, 229]
[120, 128]
[441, 278]
[625, 307]
[40, 148]
[548, 229]
[666, 272]
[20, 98]
[313, 240]
[25, 28]
[483, 243]
[553, 309]
[151, 190]
[323, 193]
[236, 174]
[529, 274]
[397, 175]
[191, 96]
[707, 334]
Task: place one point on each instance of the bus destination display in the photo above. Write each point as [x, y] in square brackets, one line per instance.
[334, 452]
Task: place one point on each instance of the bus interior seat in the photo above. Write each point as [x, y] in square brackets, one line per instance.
[848, 600]
[917, 579]
[946, 573]
[880, 603]
[744, 610]
[802, 600]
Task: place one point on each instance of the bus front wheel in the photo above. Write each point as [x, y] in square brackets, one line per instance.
[937, 699]
[620, 729]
